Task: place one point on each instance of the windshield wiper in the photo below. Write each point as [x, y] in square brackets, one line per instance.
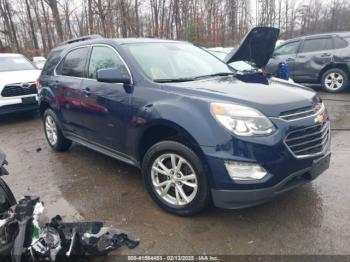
[173, 80]
[216, 74]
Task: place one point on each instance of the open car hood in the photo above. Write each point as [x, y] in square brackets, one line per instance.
[256, 47]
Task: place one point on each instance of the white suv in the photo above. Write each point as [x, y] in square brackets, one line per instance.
[18, 91]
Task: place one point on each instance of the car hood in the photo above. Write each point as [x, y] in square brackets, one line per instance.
[13, 77]
[256, 47]
[268, 95]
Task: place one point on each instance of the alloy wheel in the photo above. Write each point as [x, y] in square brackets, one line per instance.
[334, 81]
[51, 130]
[174, 179]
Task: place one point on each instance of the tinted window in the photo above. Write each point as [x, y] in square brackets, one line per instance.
[74, 63]
[313, 45]
[287, 49]
[105, 57]
[339, 43]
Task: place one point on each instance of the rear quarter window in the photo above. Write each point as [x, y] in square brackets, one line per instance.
[340, 43]
[53, 59]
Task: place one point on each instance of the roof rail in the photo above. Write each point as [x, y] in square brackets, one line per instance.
[82, 38]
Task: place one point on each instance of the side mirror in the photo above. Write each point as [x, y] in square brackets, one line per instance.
[112, 75]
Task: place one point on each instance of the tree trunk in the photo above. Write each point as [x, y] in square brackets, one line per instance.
[31, 23]
[56, 17]
[47, 25]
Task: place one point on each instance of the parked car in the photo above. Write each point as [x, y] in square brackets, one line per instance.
[198, 131]
[18, 91]
[322, 58]
[39, 61]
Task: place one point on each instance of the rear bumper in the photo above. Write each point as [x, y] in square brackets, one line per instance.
[234, 199]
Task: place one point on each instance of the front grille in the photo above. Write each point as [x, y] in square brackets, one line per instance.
[298, 113]
[18, 90]
[309, 141]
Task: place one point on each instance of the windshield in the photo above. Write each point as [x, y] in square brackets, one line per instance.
[164, 62]
[15, 63]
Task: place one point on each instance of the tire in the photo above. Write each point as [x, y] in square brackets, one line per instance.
[196, 197]
[10, 197]
[334, 80]
[55, 137]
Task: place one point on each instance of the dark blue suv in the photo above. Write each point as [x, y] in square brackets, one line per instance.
[199, 131]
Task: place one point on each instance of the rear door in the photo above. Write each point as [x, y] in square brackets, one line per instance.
[106, 105]
[67, 85]
[285, 53]
[314, 54]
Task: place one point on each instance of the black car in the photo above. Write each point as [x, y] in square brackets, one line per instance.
[197, 129]
[322, 58]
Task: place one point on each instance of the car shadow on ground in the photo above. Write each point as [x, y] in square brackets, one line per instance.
[15, 118]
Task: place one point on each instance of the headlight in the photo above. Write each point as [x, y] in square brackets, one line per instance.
[242, 120]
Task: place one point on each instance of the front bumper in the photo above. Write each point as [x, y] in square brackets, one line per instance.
[10, 105]
[234, 199]
[285, 170]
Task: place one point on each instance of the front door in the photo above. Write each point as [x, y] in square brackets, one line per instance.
[106, 105]
[284, 54]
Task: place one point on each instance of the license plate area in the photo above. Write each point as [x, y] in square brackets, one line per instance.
[29, 100]
[320, 165]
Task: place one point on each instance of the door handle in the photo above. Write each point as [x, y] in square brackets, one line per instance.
[290, 59]
[326, 54]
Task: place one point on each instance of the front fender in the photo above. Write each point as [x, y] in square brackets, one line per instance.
[193, 116]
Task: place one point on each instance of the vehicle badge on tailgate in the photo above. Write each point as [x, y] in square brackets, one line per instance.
[25, 85]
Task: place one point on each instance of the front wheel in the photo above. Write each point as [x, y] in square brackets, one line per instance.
[175, 178]
[334, 80]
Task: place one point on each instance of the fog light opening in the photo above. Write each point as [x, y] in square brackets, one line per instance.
[245, 171]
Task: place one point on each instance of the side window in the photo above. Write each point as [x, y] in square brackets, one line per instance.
[74, 63]
[105, 57]
[339, 43]
[287, 49]
[317, 44]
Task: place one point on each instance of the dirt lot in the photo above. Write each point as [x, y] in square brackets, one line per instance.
[84, 185]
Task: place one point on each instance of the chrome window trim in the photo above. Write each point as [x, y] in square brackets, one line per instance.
[93, 45]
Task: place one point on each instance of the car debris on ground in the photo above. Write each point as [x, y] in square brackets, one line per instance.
[26, 235]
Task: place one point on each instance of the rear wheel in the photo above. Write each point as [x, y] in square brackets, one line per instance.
[175, 178]
[53, 132]
[334, 80]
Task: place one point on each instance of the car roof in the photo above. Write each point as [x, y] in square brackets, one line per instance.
[144, 40]
[340, 33]
[119, 41]
[10, 55]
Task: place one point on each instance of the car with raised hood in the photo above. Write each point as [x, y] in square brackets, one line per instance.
[317, 59]
[18, 77]
[199, 132]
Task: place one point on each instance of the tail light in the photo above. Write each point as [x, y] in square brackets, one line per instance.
[37, 83]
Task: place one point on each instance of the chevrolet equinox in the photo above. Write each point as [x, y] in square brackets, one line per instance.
[200, 131]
